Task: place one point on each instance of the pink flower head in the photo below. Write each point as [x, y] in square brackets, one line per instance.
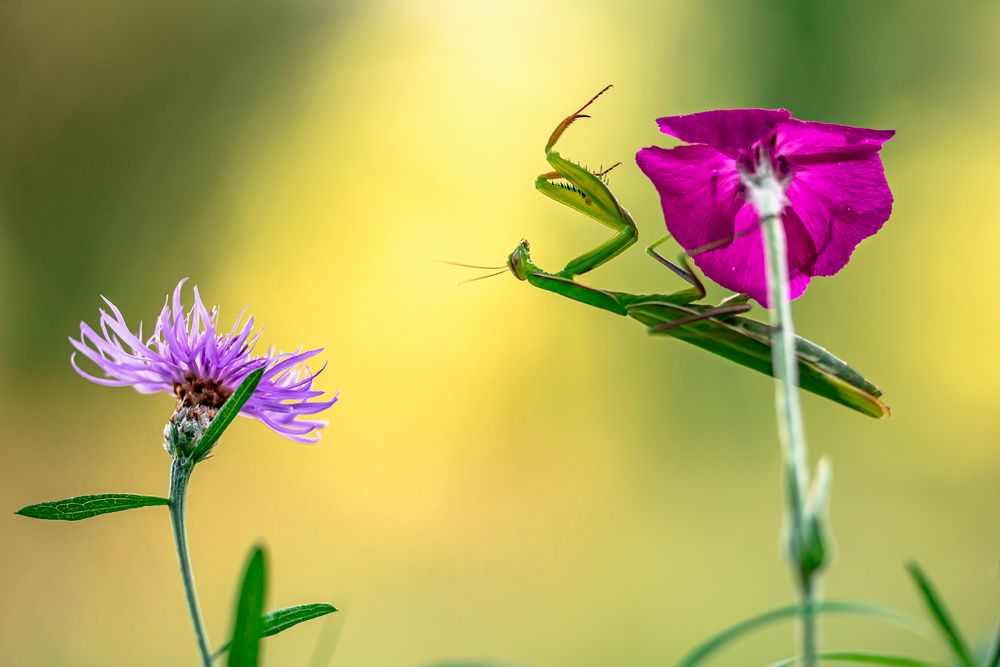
[188, 357]
[835, 192]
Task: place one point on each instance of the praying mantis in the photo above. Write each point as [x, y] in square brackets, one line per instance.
[719, 329]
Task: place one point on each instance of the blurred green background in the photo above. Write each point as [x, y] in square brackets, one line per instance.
[507, 474]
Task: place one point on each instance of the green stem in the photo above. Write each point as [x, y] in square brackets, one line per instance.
[789, 413]
[994, 660]
[180, 474]
[810, 635]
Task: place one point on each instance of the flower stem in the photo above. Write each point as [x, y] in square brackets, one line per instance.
[180, 474]
[994, 660]
[789, 414]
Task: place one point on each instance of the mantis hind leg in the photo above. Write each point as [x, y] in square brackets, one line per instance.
[711, 313]
[686, 273]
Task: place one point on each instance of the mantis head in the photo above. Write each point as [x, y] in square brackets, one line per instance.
[519, 261]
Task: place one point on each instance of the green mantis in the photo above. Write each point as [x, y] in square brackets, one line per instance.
[718, 329]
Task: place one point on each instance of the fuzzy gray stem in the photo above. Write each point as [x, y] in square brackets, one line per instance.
[789, 413]
[180, 474]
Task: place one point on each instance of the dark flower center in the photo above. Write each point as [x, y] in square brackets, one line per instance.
[200, 392]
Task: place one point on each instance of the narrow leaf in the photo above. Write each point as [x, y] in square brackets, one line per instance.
[84, 507]
[280, 620]
[227, 414]
[713, 644]
[940, 615]
[864, 658]
[994, 659]
[245, 645]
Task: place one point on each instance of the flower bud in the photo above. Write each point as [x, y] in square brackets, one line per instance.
[811, 551]
[185, 427]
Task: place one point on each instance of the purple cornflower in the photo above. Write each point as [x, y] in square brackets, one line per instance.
[188, 357]
[830, 176]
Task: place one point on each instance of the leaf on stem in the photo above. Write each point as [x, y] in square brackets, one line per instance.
[85, 507]
[280, 620]
[713, 644]
[244, 648]
[940, 615]
[227, 414]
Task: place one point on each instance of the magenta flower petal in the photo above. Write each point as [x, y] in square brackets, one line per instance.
[740, 267]
[698, 188]
[834, 184]
[804, 142]
[841, 204]
[187, 357]
[725, 129]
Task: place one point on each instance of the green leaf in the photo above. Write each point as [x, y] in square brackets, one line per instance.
[227, 414]
[994, 659]
[865, 658]
[713, 644]
[940, 615]
[244, 648]
[280, 620]
[84, 507]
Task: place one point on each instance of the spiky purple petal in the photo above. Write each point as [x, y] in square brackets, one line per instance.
[189, 343]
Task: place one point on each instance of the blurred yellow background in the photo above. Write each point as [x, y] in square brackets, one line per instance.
[508, 475]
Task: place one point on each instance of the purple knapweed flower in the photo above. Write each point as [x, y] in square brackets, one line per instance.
[830, 177]
[188, 357]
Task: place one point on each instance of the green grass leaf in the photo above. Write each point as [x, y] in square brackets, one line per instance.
[85, 507]
[718, 641]
[280, 620]
[244, 648]
[940, 615]
[227, 414]
[865, 658]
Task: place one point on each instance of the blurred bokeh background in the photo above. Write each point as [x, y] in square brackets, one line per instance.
[508, 474]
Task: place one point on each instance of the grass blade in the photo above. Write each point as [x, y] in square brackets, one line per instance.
[713, 644]
[994, 659]
[280, 620]
[244, 648]
[940, 615]
[227, 414]
[85, 507]
[865, 658]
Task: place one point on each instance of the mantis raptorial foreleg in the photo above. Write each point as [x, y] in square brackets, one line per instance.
[577, 187]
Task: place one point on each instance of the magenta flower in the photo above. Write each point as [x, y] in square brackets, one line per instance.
[188, 357]
[835, 192]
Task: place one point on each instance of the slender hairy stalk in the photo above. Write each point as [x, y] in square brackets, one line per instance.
[180, 474]
[789, 414]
